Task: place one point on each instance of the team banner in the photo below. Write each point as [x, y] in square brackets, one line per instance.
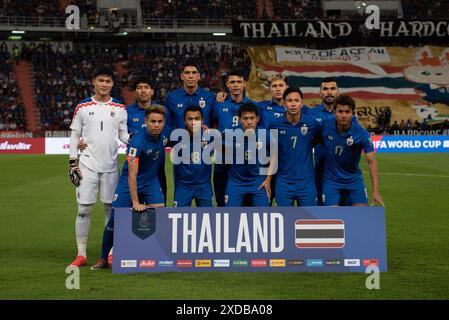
[278, 239]
[340, 31]
[386, 82]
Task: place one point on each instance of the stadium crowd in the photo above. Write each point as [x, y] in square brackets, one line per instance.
[12, 113]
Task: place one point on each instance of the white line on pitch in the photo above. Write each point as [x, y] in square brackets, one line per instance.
[412, 174]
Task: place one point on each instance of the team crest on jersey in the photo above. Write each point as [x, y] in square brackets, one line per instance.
[202, 103]
[304, 130]
[259, 145]
[350, 141]
[112, 112]
[132, 152]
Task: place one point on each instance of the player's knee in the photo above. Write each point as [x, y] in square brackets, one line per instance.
[84, 210]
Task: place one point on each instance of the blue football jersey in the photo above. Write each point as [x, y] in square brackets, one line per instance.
[136, 118]
[295, 162]
[177, 101]
[343, 151]
[269, 110]
[226, 114]
[148, 153]
[196, 171]
[250, 170]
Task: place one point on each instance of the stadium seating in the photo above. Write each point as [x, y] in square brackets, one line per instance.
[297, 9]
[12, 115]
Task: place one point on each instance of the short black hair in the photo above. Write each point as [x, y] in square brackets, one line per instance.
[193, 108]
[189, 63]
[103, 70]
[236, 72]
[140, 79]
[248, 107]
[345, 100]
[327, 79]
[290, 90]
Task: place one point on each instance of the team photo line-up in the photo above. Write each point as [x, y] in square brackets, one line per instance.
[245, 153]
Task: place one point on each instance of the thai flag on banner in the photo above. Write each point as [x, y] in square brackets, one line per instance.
[319, 234]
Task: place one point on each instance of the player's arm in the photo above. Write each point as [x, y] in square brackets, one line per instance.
[133, 170]
[123, 134]
[372, 164]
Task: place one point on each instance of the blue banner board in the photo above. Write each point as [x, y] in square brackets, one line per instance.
[246, 239]
[418, 144]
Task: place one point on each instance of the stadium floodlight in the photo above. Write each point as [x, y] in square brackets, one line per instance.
[149, 28]
[125, 33]
[219, 34]
[18, 31]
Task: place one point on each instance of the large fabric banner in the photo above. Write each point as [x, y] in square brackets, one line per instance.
[279, 239]
[412, 83]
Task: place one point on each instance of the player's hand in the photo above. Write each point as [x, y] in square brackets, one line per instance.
[139, 207]
[221, 96]
[82, 145]
[74, 173]
[376, 197]
[266, 185]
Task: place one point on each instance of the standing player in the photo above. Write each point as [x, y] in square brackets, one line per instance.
[274, 108]
[100, 121]
[246, 179]
[328, 93]
[344, 140]
[139, 186]
[295, 179]
[193, 179]
[136, 119]
[190, 94]
[226, 116]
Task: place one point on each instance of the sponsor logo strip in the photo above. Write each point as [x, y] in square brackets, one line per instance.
[184, 263]
[203, 263]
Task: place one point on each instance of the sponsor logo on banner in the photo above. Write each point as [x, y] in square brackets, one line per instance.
[319, 233]
[240, 263]
[258, 263]
[333, 262]
[314, 262]
[165, 263]
[352, 262]
[222, 263]
[295, 262]
[277, 262]
[128, 263]
[147, 263]
[22, 145]
[370, 262]
[184, 263]
[203, 263]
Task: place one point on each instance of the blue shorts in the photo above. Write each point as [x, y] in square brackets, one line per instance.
[236, 191]
[151, 194]
[184, 194]
[287, 192]
[335, 194]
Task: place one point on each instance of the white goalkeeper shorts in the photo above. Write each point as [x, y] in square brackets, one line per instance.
[94, 182]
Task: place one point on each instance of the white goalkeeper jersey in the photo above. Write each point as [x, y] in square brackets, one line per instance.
[100, 124]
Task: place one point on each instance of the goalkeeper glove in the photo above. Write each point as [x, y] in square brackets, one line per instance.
[75, 174]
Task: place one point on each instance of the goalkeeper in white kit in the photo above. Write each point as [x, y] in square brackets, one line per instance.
[100, 121]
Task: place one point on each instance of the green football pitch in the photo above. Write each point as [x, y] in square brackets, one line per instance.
[37, 241]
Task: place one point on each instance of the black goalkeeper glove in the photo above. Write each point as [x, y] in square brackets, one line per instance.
[75, 174]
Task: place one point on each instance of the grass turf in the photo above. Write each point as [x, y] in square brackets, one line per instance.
[37, 241]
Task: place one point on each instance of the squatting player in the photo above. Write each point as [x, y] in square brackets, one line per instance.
[139, 186]
[99, 120]
[343, 141]
[192, 180]
[246, 179]
[295, 179]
